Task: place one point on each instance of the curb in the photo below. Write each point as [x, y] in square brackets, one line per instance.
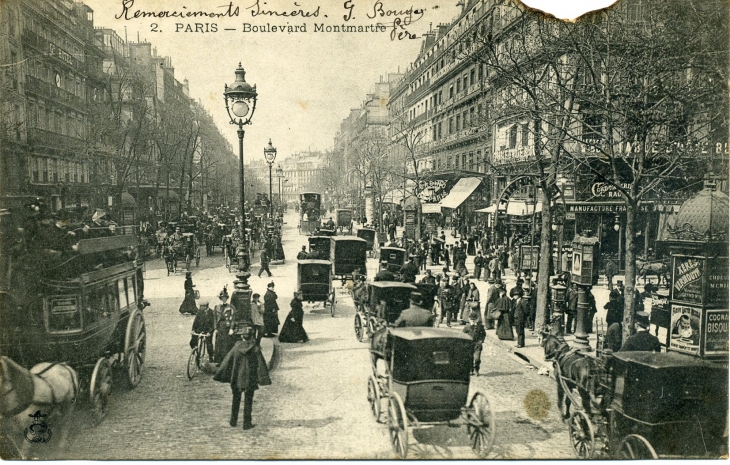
[535, 361]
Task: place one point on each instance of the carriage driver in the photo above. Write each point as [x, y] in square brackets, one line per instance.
[414, 316]
[643, 340]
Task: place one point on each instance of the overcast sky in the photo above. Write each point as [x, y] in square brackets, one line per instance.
[306, 83]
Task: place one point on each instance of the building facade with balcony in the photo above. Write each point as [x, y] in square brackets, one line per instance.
[49, 52]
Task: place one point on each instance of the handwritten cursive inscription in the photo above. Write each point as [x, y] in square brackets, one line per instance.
[401, 19]
[127, 13]
[257, 9]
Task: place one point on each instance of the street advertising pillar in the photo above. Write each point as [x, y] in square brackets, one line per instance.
[411, 210]
[558, 291]
[369, 213]
[698, 296]
[583, 270]
[241, 300]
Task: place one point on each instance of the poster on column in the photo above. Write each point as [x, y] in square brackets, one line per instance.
[187, 111]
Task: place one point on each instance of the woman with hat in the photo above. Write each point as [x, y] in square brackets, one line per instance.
[188, 304]
[293, 329]
[271, 311]
[224, 339]
[503, 305]
[615, 308]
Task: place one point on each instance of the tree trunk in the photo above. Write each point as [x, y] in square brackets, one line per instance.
[630, 267]
[543, 272]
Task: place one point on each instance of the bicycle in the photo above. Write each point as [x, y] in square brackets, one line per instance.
[197, 258]
[198, 353]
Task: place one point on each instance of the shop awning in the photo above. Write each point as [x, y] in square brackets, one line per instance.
[460, 192]
[427, 208]
[519, 208]
[489, 209]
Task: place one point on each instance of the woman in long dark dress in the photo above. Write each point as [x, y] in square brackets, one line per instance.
[271, 312]
[504, 325]
[293, 331]
[188, 304]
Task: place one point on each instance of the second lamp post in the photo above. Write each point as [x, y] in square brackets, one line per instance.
[270, 155]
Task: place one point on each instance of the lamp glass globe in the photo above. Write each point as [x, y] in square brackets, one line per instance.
[240, 108]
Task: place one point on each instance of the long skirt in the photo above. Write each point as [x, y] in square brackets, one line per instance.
[504, 328]
[223, 344]
[271, 322]
[188, 305]
[293, 332]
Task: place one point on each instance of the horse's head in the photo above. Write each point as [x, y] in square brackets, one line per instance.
[552, 346]
[16, 387]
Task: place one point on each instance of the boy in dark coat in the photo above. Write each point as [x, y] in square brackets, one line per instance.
[245, 369]
[204, 323]
[475, 329]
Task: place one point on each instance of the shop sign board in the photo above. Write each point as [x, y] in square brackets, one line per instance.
[716, 332]
[687, 274]
[717, 282]
[685, 326]
[529, 256]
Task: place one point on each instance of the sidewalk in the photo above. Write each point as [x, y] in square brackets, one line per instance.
[532, 352]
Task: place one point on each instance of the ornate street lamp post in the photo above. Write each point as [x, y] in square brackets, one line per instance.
[270, 155]
[240, 98]
[280, 176]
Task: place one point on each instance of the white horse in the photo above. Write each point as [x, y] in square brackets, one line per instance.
[35, 402]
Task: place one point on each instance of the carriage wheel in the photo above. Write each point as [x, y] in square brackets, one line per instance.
[636, 447]
[135, 347]
[482, 430]
[398, 425]
[193, 364]
[582, 437]
[359, 332]
[374, 395]
[101, 386]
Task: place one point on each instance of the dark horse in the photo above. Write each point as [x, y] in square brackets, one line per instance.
[578, 370]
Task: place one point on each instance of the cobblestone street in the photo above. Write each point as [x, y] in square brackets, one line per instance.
[317, 406]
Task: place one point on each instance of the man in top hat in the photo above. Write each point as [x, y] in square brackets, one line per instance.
[643, 340]
[245, 369]
[271, 311]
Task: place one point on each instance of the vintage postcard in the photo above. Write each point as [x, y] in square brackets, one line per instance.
[363, 229]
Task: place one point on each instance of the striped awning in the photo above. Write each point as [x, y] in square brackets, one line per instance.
[460, 192]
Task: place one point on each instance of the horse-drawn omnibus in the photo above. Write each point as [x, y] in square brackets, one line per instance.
[75, 301]
[310, 204]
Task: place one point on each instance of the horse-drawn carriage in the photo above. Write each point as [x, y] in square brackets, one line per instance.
[309, 212]
[641, 405]
[423, 373]
[85, 309]
[344, 220]
[348, 255]
[320, 246]
[392, 259]
[379, 304]
[369, 236]
[314, 281]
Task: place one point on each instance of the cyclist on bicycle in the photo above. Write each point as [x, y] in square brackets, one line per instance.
[204, 323]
